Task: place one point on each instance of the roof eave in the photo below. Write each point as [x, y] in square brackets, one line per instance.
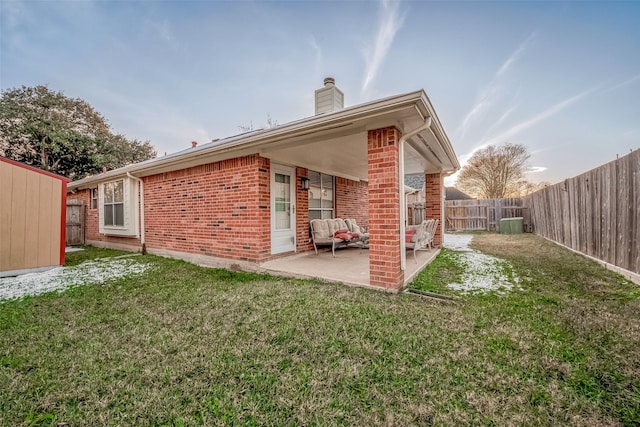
[290, 130]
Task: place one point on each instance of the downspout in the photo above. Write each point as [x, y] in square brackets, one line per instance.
[141, 234]
[403, 204]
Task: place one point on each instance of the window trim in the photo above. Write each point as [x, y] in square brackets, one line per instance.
[93, 198]
[321, 208]
[130, 209]
[112, 205]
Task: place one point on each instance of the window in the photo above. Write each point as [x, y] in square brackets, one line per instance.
[114, 204]
[94, 198]
[320, 195]
[119, 208]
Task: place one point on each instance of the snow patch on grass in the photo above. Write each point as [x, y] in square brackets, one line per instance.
[483, 273]
[60, 278]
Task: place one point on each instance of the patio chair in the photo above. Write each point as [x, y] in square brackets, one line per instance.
[421, 239]
[431, 231]
[323, 233]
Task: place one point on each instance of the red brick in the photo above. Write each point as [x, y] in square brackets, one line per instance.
[384, 208]
[434, 187]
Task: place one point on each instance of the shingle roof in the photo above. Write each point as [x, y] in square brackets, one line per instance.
[414, 181]
[454, 194]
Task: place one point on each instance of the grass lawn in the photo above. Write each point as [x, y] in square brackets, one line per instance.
[184, 345]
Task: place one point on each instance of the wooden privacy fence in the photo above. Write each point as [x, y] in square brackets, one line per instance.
[415, 213]
[75, 222]
[484, 214]
[596, 213]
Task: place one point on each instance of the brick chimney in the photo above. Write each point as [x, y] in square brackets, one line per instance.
[329, 98]
[194, 144]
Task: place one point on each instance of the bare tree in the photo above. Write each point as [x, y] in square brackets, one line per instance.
[495, 171]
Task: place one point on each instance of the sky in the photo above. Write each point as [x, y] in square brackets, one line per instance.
[561, 78]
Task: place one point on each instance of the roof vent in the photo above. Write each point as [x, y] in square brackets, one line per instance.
[329, 98]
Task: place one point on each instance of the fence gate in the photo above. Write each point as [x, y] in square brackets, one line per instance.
[75, 222]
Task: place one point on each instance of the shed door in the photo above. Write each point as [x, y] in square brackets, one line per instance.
[283, 209]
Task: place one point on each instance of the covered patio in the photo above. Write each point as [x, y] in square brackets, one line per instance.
[350, 265]
[368, 149]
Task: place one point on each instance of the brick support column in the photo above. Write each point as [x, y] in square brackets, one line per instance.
[303, 240]
[434, 188]
[384, 208]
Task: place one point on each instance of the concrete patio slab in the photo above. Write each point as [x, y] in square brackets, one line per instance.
[350, 265]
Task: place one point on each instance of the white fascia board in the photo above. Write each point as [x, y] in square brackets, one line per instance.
[440, 134]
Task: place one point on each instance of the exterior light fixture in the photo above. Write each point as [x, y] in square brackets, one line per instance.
[304, 181]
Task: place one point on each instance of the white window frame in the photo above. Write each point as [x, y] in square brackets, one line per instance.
[322, 189]
[93, 198]
[112, 205]
[130, 210]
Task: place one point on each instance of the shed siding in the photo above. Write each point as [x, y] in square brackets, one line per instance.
[31, 206]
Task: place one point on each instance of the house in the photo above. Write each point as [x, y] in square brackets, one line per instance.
[415, 197]
[416, 184]
[452, 193]
[32, 218]
[248, 199]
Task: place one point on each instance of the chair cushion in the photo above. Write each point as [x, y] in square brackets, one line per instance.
[353, 227]
[343, 236]
[320, 229]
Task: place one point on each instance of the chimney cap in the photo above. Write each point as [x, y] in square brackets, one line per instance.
[329, 81]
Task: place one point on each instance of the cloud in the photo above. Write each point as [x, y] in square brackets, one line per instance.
[318, 58]
[516, 54]
[161, 30]
[389, 23]
[624, 83]
[554, 109]
[490, 93]
[501, 119]
[536, 169]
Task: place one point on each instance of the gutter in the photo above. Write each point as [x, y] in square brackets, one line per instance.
[403, 251]
[141, 233]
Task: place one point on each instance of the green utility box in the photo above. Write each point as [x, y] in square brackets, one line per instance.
[511, 225]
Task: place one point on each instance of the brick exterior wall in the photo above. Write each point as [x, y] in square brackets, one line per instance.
[352, 199]
[220, 209]
[434, 188]
[384, 208]
[303, 238]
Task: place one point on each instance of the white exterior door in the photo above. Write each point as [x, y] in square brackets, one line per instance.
[283, 209]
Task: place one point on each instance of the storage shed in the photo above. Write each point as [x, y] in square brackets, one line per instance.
[32, 218]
